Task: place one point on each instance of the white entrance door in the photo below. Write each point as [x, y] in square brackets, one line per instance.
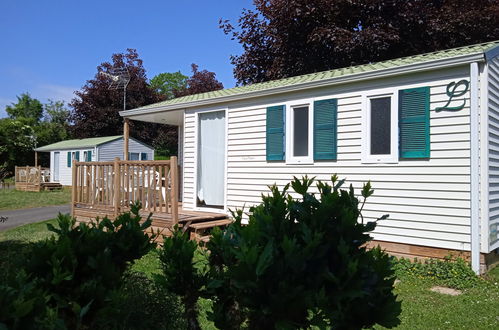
[55, 177]
[211, 159]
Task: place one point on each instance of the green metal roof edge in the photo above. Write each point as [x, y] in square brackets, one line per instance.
[79, 143]
[324, 75]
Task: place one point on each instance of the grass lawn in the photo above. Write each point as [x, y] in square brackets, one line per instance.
[13, 199]
[475, 308]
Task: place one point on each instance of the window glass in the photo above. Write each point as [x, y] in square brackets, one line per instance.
[300, 131]
[380, 126]
[133, 156]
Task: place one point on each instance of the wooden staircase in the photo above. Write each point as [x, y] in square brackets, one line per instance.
[200, 231]
[51, 186]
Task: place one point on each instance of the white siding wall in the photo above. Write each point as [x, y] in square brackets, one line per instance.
[65, 173]
[493, 102]
[188, 163]
[180, 160]
[113, 149]
[428, 200]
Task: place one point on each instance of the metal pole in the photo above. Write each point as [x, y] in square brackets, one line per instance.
[124, 98]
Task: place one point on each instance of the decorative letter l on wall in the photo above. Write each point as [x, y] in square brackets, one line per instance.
[452, 92]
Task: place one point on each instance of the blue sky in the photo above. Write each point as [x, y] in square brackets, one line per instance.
[50, 48]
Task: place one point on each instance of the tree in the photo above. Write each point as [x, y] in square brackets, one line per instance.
[283, 38]
[167, 83]
[28, 108]
[17, 140]
[25, 130]
[96, 108]
[56, 112]
[200, 82]
[53, 128]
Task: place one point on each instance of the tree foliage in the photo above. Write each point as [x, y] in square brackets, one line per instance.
[168, 83]
[31, 124]
[200, 82]
[282, 38]
[96, 107]
[27, 108]
[17, 140]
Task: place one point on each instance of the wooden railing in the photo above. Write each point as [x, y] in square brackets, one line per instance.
[30, 177]
[112, 186]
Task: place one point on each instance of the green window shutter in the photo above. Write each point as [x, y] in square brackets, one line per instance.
[77, 156]
[143, 156]
[275, 133]
[414, 123]
[69, 158]
[89, 156]
[325, 129]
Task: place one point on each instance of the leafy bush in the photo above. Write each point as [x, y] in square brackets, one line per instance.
[76, 271]
[141, 303]
[454, 273]
[183, 274]
[298, 263]
[302, 262]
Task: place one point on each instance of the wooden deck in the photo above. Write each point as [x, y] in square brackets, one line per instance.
[162, 223]
[106, 189]
[34, 178]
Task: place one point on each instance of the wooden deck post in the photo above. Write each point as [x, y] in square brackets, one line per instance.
[117, 186]
[174, 188]
[73, 189]
[36, 159]
[126, 135]
[39, 178]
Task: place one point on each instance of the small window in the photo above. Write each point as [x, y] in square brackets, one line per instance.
[380, 126]
[299, 134]
[133, 156]
[380, 143]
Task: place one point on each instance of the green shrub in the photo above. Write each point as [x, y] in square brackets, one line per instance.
[23, 305]
[76, 271]
[302, 262]
[454, 273]
[298, 263]
[141, 303]
[184, 275]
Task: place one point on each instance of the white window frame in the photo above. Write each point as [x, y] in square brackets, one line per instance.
[290, 159]
[393, 157]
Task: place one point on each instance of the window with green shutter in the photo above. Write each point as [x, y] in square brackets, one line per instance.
[69, 159]
[414, 123]
[325, 129]
[77, 156]
[275, 132]
[89, 156]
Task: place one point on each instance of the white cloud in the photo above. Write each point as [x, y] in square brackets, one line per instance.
[45, 92]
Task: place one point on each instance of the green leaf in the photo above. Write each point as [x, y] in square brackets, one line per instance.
[265, 259]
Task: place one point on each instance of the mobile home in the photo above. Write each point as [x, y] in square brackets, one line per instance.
[424, 129]
[97, 149]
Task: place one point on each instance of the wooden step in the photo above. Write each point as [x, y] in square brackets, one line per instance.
[210, 224]
[51, 185]
[200, 218]
[198, 229]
